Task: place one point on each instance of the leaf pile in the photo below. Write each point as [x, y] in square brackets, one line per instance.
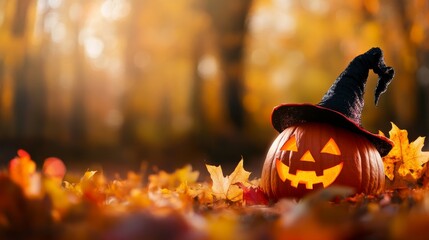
[39, 204]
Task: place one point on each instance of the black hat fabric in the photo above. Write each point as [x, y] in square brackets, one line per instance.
[343, 103]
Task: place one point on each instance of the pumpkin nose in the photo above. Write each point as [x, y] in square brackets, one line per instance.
[307, 157]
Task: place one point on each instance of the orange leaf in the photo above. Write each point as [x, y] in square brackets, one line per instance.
[405, 162]
[21, 170]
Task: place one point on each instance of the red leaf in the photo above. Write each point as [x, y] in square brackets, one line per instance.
[23, 154]
[21, 169]
[253, 195]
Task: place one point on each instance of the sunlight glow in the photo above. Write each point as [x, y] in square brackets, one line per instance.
[273, 20]
[54, 3]
[207, 66]
[59, 32]
[2, 15]
[114, 118]
[53, 26]
[259, 56]
[75, 11]
[115, 9]
[316, 6]
[93, 47]
[281, 77]
[50, 21]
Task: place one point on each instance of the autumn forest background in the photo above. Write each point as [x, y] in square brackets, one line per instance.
[121, 82]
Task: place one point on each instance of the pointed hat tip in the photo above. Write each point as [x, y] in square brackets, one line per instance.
[346, 93]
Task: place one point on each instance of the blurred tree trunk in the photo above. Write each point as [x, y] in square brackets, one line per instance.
[77, 122]
[21, 95]
[422, 95]
[229, 22]
[21, 101]
[128, 132]
[20, 17]
[29, 89]
[226, 35]
[410, 96]
[78, 119]
[30, 99]
[202, 44]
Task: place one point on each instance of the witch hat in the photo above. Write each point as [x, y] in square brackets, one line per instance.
[343, 103]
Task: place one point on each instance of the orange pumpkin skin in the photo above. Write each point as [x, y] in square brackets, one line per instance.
[357, 162]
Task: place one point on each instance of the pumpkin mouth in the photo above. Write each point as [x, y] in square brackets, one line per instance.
[309, 178]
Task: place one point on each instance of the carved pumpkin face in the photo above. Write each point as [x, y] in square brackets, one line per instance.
[315, 155]
[309, 177]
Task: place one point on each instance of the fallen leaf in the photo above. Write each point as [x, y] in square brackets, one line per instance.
[59, 197]
[21, 171]
[173, 180]
[405, 162]
[92, 187]
[224, 187]
[253, 195]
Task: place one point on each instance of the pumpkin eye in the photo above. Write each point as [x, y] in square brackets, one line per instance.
[331, 147]
[290, 145]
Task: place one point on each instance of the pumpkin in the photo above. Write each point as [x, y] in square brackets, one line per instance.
[313, 155]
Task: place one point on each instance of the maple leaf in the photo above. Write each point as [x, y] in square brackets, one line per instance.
[405, 162]
[224, 187]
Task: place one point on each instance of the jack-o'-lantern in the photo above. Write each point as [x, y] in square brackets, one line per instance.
[324, 144]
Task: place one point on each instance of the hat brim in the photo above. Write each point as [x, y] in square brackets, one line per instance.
[287, 115]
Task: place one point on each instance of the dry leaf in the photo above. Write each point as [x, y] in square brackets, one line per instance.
[405, 162]
[224, 187]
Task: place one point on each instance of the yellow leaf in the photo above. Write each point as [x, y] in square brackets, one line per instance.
[223, 187]
[186, 175]
[201, 191]
[58, 196]
[406, 160]
[88, 176]
[173, 180]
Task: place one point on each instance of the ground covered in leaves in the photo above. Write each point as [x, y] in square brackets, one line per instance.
[37, 203]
